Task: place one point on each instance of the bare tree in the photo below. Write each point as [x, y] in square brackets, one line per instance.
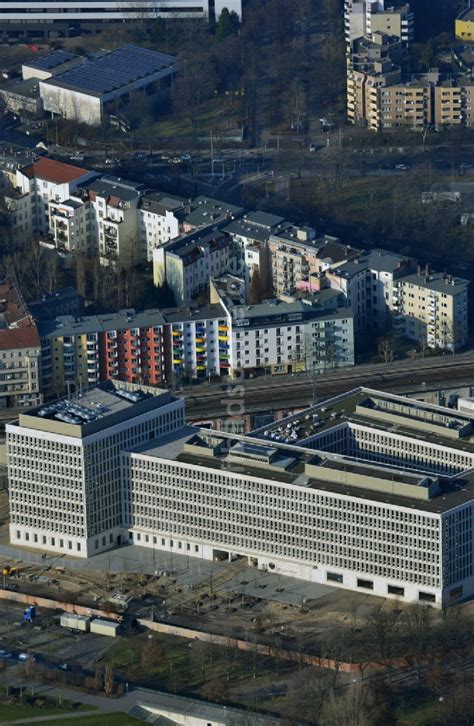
[255, 288]
[109, 680]
[386, 348]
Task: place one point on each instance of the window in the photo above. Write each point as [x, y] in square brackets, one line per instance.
[456, 593]
[334, 577]
[426, 597]
[367, 584]
[394, 590]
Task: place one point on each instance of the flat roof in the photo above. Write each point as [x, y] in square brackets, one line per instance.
[51, 60]
[65, 325]
[212, 311]
[113, 70]
[438, 282]
[28, 88]
[184, 447]
[326, 415]
[111, 186]
[95, 409]
[206, 210]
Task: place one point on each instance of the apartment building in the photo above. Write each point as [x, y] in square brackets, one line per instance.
[364, 107]
[432, 308]
[72, 225]
[189, 262]
[363, 18]
[36, 185]
[64, 466]
[464, 25]
[293, 252]
[396, 21]
[52, 19]
[20, 351]
[78, 352]
[198, 342]
[250, 235]
[160, 220]
[279, 336]
[379, 98]
[101, 218]
[115, 220]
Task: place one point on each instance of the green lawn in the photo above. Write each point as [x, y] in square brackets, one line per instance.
[104, 719]
[11, 712]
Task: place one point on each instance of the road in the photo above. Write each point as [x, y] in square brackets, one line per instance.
[276, 393]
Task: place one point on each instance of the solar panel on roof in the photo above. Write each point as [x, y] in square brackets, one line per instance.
[51, 60]
[115, 69]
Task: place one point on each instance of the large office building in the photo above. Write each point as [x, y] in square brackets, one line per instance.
[368, 491]
[64, 465]
[52, 18]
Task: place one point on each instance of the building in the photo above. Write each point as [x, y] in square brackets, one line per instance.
[397, 21]
[65, 301]
[49, 65]
[313, 334]
[115, 221]
[379, 98]
[23, 97]
[331, 495]
[363, 18]
[80, 351]
[432, 308]
[198, 341]
[26, 19]
[100, 85]
[36, 185]
[464, 25]
[202, 211]
[20, 351]
[160, 220]
[370, 492]
[189, 262]
[250, 235]
[64, 465]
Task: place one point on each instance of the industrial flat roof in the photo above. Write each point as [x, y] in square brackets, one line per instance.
[326, 415]
[94, 409]
[452, 491]
[113, 70]
[51, 60]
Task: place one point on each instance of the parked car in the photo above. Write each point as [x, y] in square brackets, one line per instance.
[402, 167]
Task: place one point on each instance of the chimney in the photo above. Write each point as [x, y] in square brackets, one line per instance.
[418, 270]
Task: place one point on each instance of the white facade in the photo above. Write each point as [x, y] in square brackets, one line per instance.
[159, 221]
[64, 483]
[199, 347]
[71, 224]
[81, 11]
[319, 495]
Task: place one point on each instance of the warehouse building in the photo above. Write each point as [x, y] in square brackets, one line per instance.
[87, 92]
